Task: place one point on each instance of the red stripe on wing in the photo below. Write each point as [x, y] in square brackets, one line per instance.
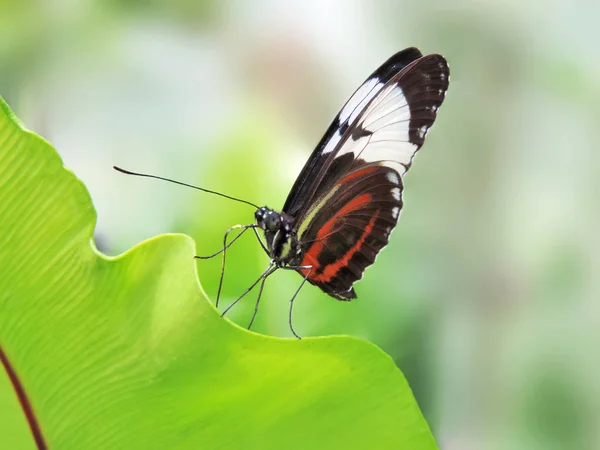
[311, 256]
[331, 270]
[358, 173]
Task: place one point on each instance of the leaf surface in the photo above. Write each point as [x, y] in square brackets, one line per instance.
[127, 352]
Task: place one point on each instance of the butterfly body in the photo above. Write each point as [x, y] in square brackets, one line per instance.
[280, 236]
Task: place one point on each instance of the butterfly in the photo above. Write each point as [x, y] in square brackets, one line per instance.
[347, 199]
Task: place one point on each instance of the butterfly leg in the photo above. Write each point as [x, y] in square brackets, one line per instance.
[272, 268]
[245, 228]
[260, 241]
[223, 250]
[296, 293]
[262, 285]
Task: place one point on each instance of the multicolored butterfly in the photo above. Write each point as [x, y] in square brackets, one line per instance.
[347, 200]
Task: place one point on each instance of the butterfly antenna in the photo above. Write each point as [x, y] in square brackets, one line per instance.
[127, 172]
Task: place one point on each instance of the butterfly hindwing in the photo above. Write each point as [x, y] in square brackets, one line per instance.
[348, 197]
[350, 228]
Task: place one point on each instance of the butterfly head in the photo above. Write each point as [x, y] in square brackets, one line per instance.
[267, 219]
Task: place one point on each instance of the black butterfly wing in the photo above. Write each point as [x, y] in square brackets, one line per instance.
[356, 190]
[349, 228]
[322, 156]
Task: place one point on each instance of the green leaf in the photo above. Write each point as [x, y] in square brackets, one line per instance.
[127, 352]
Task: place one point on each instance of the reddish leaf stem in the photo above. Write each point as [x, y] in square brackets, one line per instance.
[25, 404]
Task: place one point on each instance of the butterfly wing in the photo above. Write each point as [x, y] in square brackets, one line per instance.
[323, 155]
[354, 183]
[349, 228]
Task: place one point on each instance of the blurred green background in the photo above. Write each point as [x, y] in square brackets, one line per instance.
[487, 296]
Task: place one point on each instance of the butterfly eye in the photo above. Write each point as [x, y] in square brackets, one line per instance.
[272, 221]
[260, 215]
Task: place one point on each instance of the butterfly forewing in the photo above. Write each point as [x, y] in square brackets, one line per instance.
[324, 154]
[348, 197]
